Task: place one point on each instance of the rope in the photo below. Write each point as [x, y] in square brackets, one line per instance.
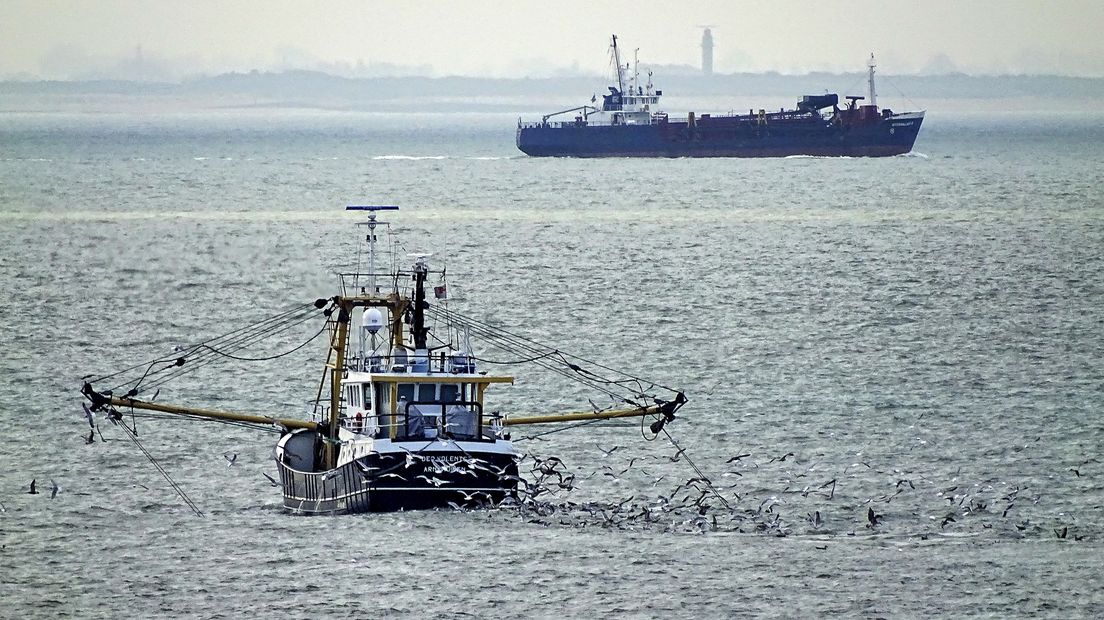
[92, 379]
[234, 340]
[271, 357]
[900, 92]
[697, 470]
[518, 344]
[559, 430]
[179, 491]
[473, 323]
[514, 362]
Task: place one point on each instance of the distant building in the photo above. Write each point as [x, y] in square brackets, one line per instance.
[707, 52]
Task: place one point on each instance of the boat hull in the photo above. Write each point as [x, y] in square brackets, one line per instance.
[388, 482]
[737, 136]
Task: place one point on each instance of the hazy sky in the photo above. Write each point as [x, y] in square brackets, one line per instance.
[101, 38]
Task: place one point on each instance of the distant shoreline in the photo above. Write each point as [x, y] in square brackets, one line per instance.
[322, 92]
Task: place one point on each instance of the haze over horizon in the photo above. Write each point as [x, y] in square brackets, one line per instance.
[137, 40]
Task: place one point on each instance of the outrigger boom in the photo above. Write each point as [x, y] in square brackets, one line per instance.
[290, 423]
[214, 414]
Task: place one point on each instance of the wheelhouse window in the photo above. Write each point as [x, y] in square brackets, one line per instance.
[430, 410]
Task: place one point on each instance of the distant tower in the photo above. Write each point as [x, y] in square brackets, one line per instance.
[707, 50]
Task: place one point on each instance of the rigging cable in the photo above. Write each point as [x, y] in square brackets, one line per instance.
[206, 358]
[697, 470]
[179, 491]
[140, 364]
[488, 328]
[271, 357]
[899, 91]
[518, 344]
[565, 428]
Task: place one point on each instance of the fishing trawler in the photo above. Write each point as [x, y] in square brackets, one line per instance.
[400, 421]
[629, 123]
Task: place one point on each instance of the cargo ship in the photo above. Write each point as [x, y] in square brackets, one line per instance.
[630, 124]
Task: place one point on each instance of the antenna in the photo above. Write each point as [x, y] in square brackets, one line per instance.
[371, 238]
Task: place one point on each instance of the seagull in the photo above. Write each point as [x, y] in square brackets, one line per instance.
[54, 489]
[607, 452]
[513, 478]
[270, 479]
[364, 468]
[391, 475]
[872, 517]
[230, 459]
[1062, 532]
[498, 471]
[627, 468]
[781, 458]
[737, 458]
[947, 519]
[33, 490]
[472, 496]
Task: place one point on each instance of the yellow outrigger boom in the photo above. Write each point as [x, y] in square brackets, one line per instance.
[293, 423]
[117, 401]
[582, 415]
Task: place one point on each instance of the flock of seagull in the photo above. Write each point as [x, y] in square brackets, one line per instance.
[808, 504]
[824, 506]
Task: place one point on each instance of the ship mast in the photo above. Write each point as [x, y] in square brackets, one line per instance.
[337, 371]
[418, 330]
[636, 70]
[371, 238]
[617, 63]
[870, 80]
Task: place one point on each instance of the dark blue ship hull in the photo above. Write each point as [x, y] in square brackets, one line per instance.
[725, 136]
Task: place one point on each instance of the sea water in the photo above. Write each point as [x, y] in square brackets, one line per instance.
[925, 330]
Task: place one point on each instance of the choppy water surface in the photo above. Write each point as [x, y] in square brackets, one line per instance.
[927, 331]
